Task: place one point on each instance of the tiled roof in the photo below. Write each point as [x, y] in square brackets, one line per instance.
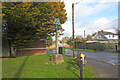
[105, 33]
[94, 34]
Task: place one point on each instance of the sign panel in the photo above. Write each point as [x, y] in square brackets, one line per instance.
[57, 21]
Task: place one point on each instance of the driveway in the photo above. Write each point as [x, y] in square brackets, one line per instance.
[105, 64]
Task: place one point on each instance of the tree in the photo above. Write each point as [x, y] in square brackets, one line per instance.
[65, 40]
[70, 41]
[88, 38]
[49, 41]
[25, 22]
[79, 38]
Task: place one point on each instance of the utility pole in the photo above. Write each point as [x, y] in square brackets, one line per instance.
[73, 26]
[119, 27]
[73, 29]
[84, 36]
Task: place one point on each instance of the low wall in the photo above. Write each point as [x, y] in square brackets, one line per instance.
[36, 48]
[53, 46]
[31, 52]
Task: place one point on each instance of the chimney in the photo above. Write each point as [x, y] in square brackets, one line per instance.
[101, 30]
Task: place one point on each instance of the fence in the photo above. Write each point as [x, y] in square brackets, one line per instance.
[95, 46]
[80, 45]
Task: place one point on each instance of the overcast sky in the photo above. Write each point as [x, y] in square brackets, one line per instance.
[90, 17]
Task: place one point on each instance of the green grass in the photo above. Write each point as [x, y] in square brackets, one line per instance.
[39, 66]
[50, 49]
[68, 48]
[84, 50]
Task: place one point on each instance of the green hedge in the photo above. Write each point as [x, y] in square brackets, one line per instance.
[105, 46]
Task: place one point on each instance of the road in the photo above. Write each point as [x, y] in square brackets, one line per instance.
[105, 64]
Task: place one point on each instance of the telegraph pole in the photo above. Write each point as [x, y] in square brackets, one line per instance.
[73, 29]
[73, 26]
[84, 36]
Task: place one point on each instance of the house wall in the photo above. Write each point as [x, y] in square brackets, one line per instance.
[38, 47]
[102, 38]
[111, 36]
[93, 37]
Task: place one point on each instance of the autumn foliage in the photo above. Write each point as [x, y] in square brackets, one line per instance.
[24, 22]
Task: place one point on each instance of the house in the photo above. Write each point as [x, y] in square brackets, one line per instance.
[105, 37]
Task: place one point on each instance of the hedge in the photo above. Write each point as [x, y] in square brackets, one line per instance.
[105, 46]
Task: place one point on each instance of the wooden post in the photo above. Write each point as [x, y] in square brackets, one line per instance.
[73, 29]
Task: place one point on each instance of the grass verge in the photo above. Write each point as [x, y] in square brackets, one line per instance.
[50, 49]
[84, 50]
[39, 66]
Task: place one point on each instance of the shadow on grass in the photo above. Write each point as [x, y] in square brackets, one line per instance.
[17, 75]
[50, 57]
[72, 64]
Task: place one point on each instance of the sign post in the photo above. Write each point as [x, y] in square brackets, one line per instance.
[57, 22]
[57, 58]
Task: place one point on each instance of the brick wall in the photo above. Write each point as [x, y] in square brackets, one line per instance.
[53, 46]
[36, 44]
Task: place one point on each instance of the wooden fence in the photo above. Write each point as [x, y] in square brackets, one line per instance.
[95, 46]
[79, 45]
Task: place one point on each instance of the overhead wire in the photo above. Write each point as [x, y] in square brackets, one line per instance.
[109, 22]
[102, 3]
[106, 24]
[96, 3]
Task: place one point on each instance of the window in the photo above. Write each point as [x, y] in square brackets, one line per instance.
[98, 37]
[113, 36]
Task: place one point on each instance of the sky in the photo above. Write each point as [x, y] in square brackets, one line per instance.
[90, 17]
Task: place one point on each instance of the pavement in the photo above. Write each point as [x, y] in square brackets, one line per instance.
[103, 69]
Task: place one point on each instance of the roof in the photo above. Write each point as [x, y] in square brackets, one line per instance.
[104, 32]
[91, 41]
[103, 35]
[94, 34]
